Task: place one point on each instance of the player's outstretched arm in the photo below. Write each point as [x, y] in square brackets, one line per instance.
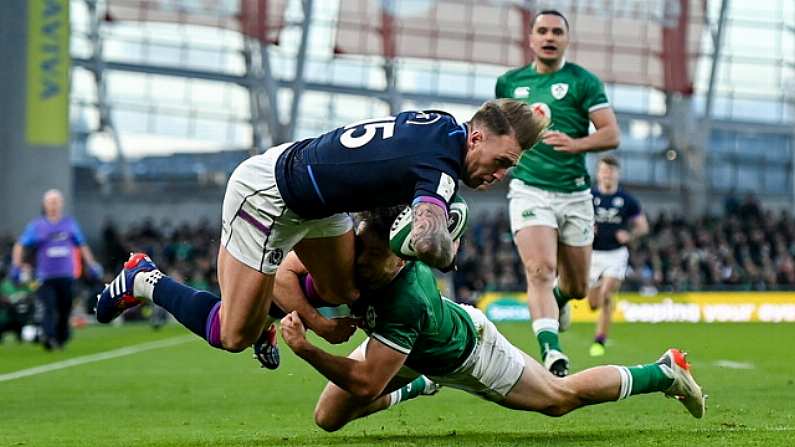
[365, 379]
[430, 236]
[289, 296]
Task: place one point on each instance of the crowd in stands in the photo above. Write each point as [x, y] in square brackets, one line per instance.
[185, 252]
[747, 249]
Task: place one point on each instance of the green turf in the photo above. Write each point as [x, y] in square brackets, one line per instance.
[191, 395]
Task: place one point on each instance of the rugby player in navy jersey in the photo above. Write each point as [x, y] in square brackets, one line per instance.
[296, 196]
[619, 221]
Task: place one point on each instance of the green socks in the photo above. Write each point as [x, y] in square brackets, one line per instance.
[561, 297]
[420, 385]
[546, 330]
[643, 379]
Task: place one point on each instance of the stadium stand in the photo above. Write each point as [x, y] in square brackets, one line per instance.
[746, 249]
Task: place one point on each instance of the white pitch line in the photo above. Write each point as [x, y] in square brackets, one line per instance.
[733, 365]
[121, 352]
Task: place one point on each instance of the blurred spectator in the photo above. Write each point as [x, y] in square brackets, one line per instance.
[753, 252]
[56, 244]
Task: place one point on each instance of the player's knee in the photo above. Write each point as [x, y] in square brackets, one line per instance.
[236, 341]
[556, 411]
[327, 420]
[540, 272]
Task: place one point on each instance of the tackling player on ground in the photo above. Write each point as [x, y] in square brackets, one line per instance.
[549, 196]
[619, 221]
[418, 338]
[297, 196]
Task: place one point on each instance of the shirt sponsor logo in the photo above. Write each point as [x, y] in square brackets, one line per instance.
[559, 90]
[618, 202]
[446, 187]
[521, 92]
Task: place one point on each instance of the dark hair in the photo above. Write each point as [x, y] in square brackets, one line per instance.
[503, 116]
[610, 161]
[550, 12]
[379, 221]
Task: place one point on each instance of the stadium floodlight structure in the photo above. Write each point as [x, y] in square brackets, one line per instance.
[309, 66]
[176, 50]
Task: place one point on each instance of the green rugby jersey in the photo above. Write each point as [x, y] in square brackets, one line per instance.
[410, 316]
[566, 96]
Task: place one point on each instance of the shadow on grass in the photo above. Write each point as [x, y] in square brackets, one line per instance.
[451, 438]
[472, 438]
[706, 436]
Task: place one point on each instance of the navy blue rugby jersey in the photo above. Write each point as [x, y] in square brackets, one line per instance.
[612, 212]
[373, 163]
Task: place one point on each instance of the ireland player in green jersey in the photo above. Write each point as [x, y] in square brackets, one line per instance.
[550, 201]
[417, 338]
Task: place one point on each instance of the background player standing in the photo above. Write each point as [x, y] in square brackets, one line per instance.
[549, 198]
[619, 221]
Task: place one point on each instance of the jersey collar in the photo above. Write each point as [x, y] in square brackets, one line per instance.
[562, 64]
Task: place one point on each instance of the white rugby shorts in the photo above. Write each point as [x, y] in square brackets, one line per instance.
[571, 213]
[257, 228]
[609, 264]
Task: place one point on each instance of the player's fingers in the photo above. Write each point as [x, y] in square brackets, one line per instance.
[287, 321]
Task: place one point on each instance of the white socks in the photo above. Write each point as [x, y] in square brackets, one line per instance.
[144, 284]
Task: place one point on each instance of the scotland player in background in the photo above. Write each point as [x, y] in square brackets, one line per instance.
[53, 239]
[297, 196]
[619, 221]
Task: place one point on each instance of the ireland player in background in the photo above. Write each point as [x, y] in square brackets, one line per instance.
[417, 339]
[619, 221]
[550, 199]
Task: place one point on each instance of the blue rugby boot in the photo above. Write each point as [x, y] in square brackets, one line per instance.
[118, 295]
[265, 349]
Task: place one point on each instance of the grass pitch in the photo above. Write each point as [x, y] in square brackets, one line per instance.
[190, 395]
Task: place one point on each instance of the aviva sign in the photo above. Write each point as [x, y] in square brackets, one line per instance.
[692, 307]
[47, 114]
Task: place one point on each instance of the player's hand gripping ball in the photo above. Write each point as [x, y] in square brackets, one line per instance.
[400, 233]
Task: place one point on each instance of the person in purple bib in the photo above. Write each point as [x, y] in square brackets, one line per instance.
[52, 240]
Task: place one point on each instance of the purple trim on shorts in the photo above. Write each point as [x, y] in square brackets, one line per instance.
[253, 221]
[430, 199]
[212, 329]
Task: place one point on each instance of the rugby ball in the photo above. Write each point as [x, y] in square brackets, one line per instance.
[400, 233]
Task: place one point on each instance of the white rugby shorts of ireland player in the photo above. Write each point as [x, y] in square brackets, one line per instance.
[493, 367]
[609, 264]
[571, 213]
[257, 228]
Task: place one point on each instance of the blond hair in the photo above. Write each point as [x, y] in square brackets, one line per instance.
[506, 116]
